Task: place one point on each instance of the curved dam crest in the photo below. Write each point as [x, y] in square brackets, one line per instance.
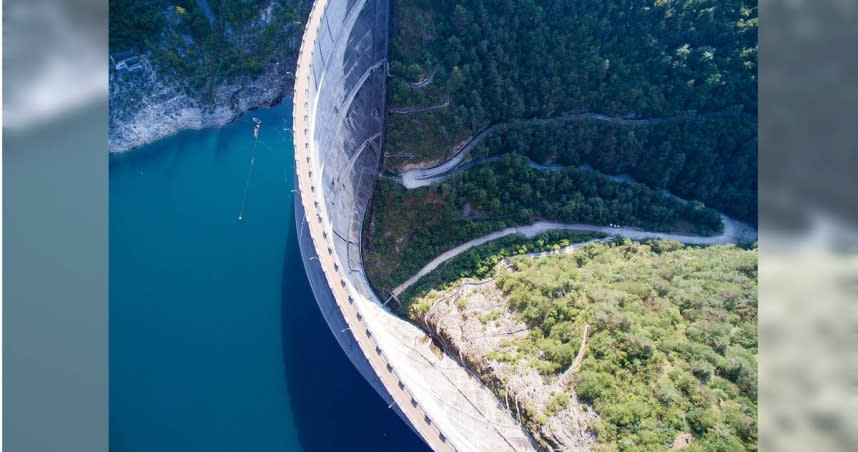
[338, 123]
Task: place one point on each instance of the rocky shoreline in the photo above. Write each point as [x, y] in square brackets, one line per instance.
[145, 107]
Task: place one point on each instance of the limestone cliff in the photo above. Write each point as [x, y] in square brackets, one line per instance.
[202, 68]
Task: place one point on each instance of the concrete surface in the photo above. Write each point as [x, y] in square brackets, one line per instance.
[338, 118]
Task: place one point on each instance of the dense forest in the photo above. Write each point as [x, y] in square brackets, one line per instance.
[242, 37]
[499, 60]
[511, 188]
[489, 62]
[672, 346]
[408, 228]
[694, 159]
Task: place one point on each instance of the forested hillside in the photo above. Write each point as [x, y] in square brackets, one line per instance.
[671, 346]
[694, 159]
[624, 345]
[408, 228]
[487, 62]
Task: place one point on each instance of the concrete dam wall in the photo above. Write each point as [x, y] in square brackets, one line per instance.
[339, 109]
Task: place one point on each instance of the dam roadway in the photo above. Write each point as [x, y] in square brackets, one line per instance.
[338, 105]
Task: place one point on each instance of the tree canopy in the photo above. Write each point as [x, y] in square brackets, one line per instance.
[503, 61]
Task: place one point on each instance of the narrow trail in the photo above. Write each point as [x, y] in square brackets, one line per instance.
[426, 81]
[207, 11]
[407, 110]
[566, 249]
[567, 375]
[416, 178]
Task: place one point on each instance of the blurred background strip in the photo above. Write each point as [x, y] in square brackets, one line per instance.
[808, 216]
[55, 225]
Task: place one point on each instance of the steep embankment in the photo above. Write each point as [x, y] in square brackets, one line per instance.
[202, 65]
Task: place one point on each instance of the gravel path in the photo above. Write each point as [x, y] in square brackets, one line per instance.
[426, 81]
[407, 110]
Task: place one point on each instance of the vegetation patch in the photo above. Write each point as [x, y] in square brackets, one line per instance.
[672, 346]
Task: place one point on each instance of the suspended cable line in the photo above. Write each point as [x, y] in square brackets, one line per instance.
[258, 124]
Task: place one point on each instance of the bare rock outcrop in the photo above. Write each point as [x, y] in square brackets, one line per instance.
[476, 326]
[146, 106]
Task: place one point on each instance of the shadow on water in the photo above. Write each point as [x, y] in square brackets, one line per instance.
[203, 318]
[335, 408]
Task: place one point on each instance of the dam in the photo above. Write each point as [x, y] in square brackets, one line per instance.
[338, 123]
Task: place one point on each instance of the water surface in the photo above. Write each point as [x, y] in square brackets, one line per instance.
[216, 343]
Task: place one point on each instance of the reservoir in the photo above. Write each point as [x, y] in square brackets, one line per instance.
[216, 341]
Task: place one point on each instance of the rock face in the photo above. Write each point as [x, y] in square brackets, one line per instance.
[145, 106]
[475, 325]
[163, 98]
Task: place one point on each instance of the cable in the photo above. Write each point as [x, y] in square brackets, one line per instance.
[250, 168]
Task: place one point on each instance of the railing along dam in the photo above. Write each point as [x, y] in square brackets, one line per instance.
[338, 121]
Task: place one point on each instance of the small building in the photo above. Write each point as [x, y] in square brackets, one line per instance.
[126, 61]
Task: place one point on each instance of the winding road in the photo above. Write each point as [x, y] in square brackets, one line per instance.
[734, 232]
[416, 178]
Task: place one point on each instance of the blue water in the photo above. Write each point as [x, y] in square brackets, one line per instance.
[216, 342]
